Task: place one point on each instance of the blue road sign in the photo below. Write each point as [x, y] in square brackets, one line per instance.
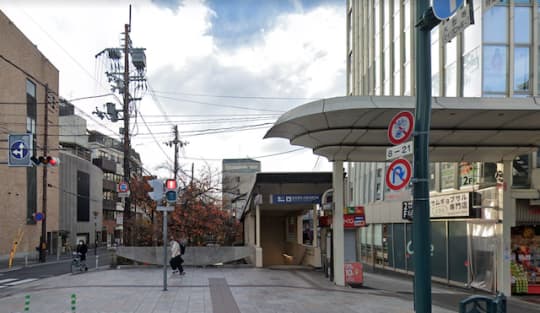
[19, 150]
[443, 9]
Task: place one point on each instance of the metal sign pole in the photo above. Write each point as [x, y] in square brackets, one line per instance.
[421, 225]
[164, 250]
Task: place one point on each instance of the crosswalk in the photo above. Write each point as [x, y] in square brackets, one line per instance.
[10, 282]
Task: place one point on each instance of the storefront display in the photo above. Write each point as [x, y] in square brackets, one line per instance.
[525, 264]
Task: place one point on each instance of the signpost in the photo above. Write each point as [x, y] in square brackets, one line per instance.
[461, 20]
[399, 174]
[399, 151]
[443, 9]
[165, 209]
[401, 127]
[20, 146]
[123, 189]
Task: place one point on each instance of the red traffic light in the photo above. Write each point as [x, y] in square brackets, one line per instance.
[48, 160]
[170, 184]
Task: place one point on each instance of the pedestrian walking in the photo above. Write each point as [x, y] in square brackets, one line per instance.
[176, 257]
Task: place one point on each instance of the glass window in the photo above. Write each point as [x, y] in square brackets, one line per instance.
[468, 174]
[400, 252]
[520, 171]
[439, 256]
[450, 82]
[496, 25]
[450, 49]
[448, 175]
[397, 84]
[457, 244]
[435, 85]
[495, 69]
[472, 36]
[521, 69]
[471, 74]
[522, 25]
[407, 80]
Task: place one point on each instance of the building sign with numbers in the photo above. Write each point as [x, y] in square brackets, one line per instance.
[400, 150]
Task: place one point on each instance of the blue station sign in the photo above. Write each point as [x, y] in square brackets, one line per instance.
[295, 199]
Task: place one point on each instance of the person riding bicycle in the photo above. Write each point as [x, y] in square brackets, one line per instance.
[82, 249]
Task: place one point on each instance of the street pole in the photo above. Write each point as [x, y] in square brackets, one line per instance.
[165, 250]
[127, 174]
[421, 223]
[43, 241]
[176, 142]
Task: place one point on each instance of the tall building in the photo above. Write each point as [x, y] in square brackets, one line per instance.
[108, 155]
[237, 180]
[29, 89]
[497, 57]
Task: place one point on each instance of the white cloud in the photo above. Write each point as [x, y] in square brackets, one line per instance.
[302, 55]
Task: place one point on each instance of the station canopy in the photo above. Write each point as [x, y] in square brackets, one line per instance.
[354, 128]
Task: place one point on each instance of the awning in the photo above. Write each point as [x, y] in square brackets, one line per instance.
[354, 128]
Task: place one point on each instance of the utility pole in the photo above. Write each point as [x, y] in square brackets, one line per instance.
[119, 77]
[43, 241]
[127, 172]
[176, 142]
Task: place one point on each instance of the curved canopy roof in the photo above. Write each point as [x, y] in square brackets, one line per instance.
[354, 128]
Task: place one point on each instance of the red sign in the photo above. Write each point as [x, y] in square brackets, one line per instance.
[325, 221]
[401, 127]
[399, 174]
[353, 273]
[354, 220]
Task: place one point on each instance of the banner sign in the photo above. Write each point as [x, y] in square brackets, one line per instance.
[454, 205]
[354, 220]
[295, 199]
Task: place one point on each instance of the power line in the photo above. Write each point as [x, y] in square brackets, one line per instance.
[220, 105]
[234, 97]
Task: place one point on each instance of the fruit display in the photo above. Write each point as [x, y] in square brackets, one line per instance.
[520, 282]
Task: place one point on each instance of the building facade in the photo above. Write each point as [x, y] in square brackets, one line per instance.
[29, 89]
[108, 155]
[81, 183]
[496, 57]
[238, 176]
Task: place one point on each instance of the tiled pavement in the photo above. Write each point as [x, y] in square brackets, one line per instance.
[207, 290]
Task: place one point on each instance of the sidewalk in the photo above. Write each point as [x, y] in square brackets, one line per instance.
[215, 290]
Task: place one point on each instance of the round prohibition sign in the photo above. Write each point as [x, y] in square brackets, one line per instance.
[123, 187]
[399, 174]
[401, 127]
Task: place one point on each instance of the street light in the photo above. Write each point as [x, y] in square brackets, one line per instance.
[96, 213]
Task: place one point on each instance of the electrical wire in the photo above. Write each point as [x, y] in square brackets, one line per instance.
[233, 97]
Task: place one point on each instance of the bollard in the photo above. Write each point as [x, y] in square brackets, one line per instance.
[73, 303]
[97, 261]
[26, 260]
[27, 303]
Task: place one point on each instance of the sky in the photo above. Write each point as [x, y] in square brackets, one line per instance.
[222, 71]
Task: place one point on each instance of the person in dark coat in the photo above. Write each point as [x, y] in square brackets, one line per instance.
[82, 249]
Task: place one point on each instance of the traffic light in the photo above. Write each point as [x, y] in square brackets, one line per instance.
[157, 193]
[171, 190]
[47, 161]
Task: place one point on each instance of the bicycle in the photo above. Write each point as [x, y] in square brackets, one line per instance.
[77, 265]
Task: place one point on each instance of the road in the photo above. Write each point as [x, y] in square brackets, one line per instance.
[36, 271]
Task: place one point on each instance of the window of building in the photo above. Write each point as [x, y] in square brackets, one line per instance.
[31, 172]
[471, 74]
[521, 69]
[520, 171]
[448, 175]
[495, 69]
[469, 174]
[495, 39]
[450, 71]
[83, 197]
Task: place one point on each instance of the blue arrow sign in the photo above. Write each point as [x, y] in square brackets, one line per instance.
[20, 146]
[443, 9]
